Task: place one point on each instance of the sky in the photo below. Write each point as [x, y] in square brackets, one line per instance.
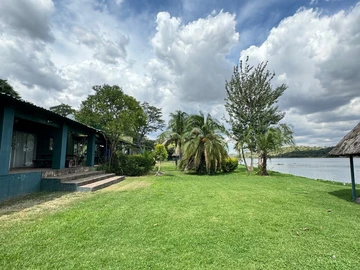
[177, 55]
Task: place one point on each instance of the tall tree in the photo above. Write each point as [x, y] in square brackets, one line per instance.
[7, 89]
[152, 122]
[63, 109]
[251, 104]
[204, 145]
[112, 111]
[175, 131]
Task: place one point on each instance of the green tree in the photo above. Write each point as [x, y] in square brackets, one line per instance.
[63, 109]
[204, 145]
[175, 131]
[251, 105]
[160, 154]
[272, 140]
[151, 123]
[111, 111]
[7, 89]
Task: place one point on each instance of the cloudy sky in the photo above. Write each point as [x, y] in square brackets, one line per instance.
[177, 54]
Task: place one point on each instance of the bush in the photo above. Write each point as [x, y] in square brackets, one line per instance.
[230, 164]
[134, 165]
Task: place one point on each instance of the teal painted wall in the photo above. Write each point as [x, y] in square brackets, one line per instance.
[14, 185]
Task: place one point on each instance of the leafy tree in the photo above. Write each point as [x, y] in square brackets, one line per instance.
[7, 89]
[272, 140]
[148, 144]
[204, 145]
[251, 104]
[175, 131]
[112, 111]
[160, 154]
[63, 109]
[151, 123]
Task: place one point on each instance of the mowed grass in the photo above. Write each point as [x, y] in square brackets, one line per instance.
[185, 221]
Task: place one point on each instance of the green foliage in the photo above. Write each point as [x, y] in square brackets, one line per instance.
[112, 111]
[251, 105]
[301, 151]
[7, 89]
[63, 109]
[204, 146]
[134, 165]
[160, 152]
[152, 122]
[175, 131]
[272, 140]
[230, 165]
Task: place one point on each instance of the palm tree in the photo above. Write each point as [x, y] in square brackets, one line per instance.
[272, 140]
[204, 145]
[175, 131]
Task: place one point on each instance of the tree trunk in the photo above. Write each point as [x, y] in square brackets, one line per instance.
[264, 164]
[180, 153]
[243, 155]
[260, 162]
[251, 161]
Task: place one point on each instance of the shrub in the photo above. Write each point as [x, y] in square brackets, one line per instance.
[134, 165]
[230, 164]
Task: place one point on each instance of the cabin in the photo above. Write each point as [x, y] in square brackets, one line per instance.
[38, 145]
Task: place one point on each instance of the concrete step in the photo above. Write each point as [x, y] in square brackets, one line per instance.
[89, 180]
[74, 176]
[101, 184]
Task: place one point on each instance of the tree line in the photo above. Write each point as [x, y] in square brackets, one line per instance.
[198, 140]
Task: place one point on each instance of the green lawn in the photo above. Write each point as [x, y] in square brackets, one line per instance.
[184, 221]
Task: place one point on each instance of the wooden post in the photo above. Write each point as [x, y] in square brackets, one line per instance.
[7, 115]
[59, 152]
[352, 178]
[90, 152]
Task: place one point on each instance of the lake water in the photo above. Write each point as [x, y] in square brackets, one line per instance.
[333, 169]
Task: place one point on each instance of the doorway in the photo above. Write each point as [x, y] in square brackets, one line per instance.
[23, 149]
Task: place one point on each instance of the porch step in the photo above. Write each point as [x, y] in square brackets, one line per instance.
[101, 184]
[82, 181]
[74, 176]
[89, 179]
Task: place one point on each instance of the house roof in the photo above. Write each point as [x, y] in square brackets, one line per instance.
[349, 145]
[29, 108]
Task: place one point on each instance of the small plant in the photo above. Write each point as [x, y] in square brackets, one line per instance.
[160, 154]
[230, 165]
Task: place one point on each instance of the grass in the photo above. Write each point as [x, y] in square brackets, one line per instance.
[185, 221]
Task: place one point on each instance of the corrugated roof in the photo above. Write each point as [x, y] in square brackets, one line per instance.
[5, 97]
[349, 145]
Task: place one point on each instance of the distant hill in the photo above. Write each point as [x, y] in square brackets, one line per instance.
[302, 151]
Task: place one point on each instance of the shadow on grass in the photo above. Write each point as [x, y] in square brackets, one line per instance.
[344, 194]
[28, 201]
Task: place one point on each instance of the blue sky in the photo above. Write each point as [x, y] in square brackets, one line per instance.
[177, 54]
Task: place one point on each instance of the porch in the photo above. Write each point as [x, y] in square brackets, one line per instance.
[35, 141]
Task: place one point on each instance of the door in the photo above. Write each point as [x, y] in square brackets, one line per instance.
[23, 149]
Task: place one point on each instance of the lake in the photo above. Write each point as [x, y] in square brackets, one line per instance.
[333, 169]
